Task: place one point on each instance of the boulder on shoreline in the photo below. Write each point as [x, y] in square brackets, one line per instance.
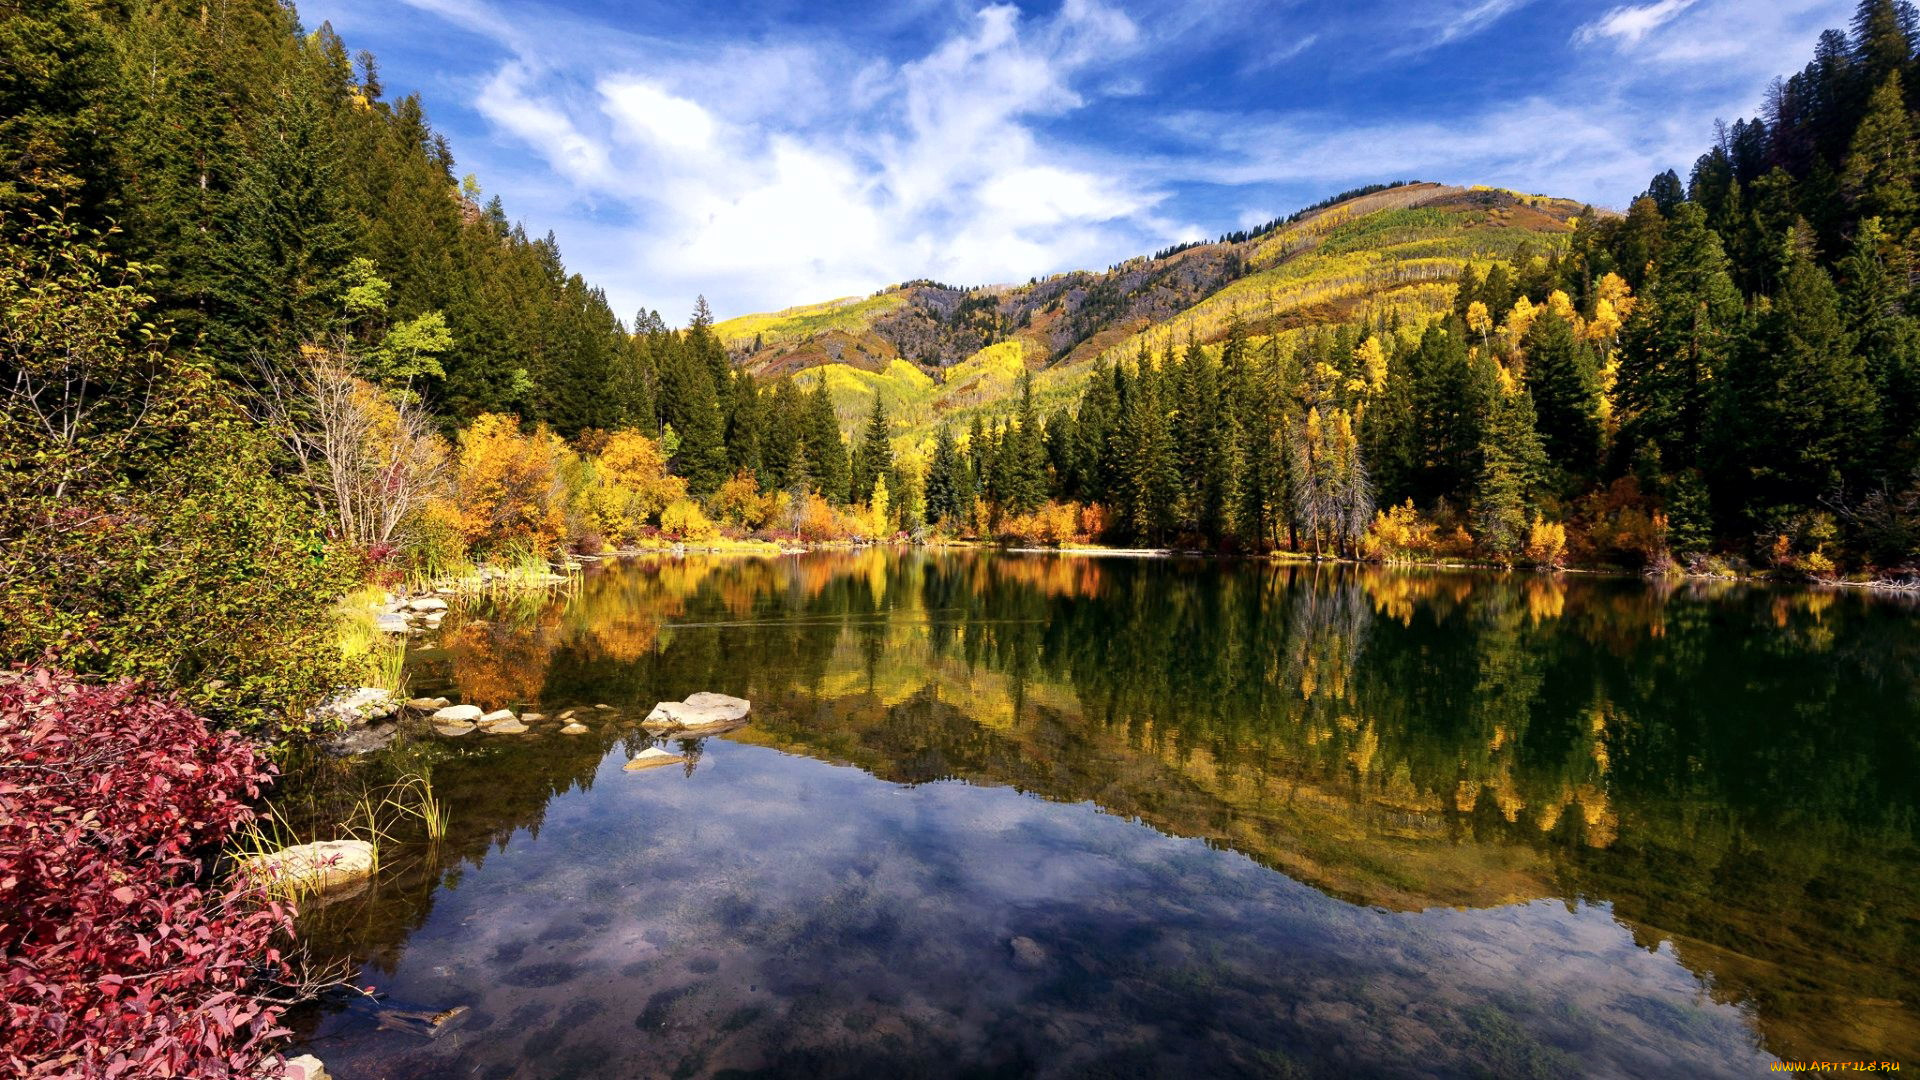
[465, 714]
[703, 711]
[392, 623]
[314, 867]
[426, 704]
[359, 705]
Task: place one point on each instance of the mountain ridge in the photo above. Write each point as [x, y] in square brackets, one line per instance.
[930, 350]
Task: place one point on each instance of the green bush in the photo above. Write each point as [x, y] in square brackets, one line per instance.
[144, 532]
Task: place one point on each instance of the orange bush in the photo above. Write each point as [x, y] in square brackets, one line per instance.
[630, 486]
[511, 491]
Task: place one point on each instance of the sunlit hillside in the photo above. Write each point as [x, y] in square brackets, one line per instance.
[933, 352]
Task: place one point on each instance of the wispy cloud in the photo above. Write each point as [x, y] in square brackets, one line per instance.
[1627, 25]
[768, 160]
[778, 180]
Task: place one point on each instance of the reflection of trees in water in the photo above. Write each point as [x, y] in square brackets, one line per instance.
[1733, 768]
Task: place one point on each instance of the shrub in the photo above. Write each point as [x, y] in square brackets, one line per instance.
[683, 520]
[511, 488]
[118, 959]
[143, 532]
[819, 521]
[630, 486]
[1400, 534]
[739, 502]
[1546, 543]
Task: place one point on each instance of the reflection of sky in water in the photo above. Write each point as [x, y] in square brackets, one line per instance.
[777, 913]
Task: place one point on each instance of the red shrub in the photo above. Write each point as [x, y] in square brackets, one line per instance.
[116, 960]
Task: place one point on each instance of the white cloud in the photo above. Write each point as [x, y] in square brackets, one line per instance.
[762, 179]
[669, 122]
[1627, 25]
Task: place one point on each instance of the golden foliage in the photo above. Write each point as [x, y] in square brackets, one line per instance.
[684, 520]
[510, 485]
[1546, 543]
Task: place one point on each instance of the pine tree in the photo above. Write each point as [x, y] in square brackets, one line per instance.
[1682, 330]
[692, 409]
[744, 423]
[873, 458]
[1882, 164]
[826, 452]
[947, 497]
[1888, 339]
[1022, 476]
[1563, 378]
[1512, 462]
[1795, 410]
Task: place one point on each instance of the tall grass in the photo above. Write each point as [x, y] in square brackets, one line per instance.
[378, 659]
[377, 816]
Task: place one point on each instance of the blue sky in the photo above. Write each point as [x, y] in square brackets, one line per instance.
[780, 153]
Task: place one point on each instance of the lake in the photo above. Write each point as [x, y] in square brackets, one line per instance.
[1011, 815]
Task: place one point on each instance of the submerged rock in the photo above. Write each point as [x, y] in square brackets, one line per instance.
[313, 867]
[700, 712]
[359, 705]
[362, 740]
[1028, 954]
[652, 758]
[305, 1067]
[454, 727]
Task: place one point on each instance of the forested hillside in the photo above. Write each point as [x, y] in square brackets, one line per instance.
[1727, 373]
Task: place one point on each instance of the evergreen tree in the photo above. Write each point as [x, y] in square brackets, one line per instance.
[1681, 332]
[874, 457]
[947, 497]
[1888, 340]
[1795, 409]
[692, 409]
[1563, 378]
[744, 422]
[826, 452]
[1882, 164]
[1022, 476]
[1512, 462]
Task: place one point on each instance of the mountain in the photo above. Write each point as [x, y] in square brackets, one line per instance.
[933, 351]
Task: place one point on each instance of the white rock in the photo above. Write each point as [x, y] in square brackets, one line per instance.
[497, 716]
[361, 704]
[456, 728]
[532, 717]
[313, 867]
[466, 714]
[391, 623]
[305, 1067]
[652, 758]
[426, 704]
[428, 603]
[575, 729]
[508, 726]
[699, 712]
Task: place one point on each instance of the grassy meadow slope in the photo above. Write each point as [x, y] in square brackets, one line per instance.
[933, 352]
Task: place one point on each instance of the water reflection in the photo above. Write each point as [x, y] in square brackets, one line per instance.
[1524, 825]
